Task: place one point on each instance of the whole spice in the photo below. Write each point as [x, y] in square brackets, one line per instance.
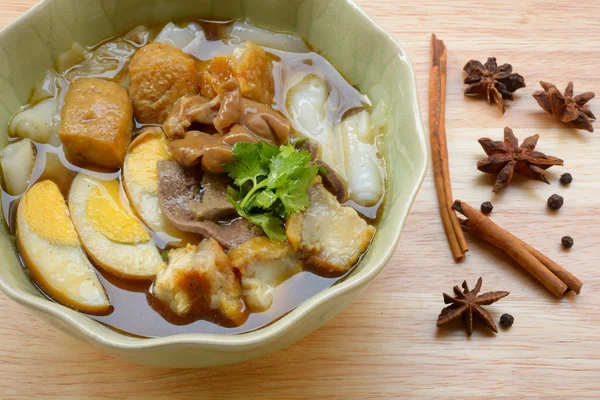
[467, 303]
[566, 179]
[507, 157]
[567, 242]
[486, 207]
[567, 108]
[555, 202]
[496, 82]
[554, 277]
[439, 148]
[507, 320]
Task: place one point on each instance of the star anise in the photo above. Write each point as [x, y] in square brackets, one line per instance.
[567, 108]
[507, 157]
[497, 82]
[468, 303]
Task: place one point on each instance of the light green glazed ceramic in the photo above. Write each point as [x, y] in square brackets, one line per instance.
[341, 30]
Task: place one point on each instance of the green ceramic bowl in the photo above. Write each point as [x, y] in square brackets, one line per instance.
[341, 30]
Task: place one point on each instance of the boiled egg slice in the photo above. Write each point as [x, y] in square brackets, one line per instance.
[50, 248]
[113, 238]
[140, 180]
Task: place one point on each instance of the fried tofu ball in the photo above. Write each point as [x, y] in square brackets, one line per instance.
[264, 264]
[160, 74]
[96, 123]
[200, 277]
[329, 236]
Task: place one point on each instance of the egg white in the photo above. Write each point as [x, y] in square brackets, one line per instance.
[142, 191]
[62, 270]
[132, 261]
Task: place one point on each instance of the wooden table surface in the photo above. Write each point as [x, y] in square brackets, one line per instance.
[386, 344]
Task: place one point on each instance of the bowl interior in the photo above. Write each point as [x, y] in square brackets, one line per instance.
[337, 28]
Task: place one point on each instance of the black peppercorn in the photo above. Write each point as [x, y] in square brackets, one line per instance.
[555, 202]
[567, 242]
[506, 320]
[566, 179]
[486, 207]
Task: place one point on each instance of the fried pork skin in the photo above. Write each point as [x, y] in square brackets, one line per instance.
[330, 237]
[197, 277]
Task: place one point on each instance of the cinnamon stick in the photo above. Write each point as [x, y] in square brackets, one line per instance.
[572, 282]
[439, 148]
[554, 277]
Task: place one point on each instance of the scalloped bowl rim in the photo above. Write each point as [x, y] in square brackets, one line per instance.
[121, 342]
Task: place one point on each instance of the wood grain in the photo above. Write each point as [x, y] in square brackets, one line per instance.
[386, 344]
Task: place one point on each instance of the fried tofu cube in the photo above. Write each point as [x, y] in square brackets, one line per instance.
[201, 277]
[160, 74]
[330, 237]
[253, 70]
[249, 66]
[213, 74]
[96, 123]
[264, 264]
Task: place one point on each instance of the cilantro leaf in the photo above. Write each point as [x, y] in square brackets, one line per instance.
[267, 151]
[265, 199]
[252, 162]
[288, 164]
[272, 182]
[270, 223]
[232, 194]
[294, 194]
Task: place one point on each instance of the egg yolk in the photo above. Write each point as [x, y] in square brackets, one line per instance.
[142, 160]
[47, 216]
[107, 214]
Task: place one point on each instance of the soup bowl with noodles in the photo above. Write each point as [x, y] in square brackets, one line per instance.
[93, 202]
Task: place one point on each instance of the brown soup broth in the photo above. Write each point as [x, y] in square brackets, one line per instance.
[134, 310]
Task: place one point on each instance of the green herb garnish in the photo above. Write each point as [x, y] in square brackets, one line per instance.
[165, 256]
[271, 183]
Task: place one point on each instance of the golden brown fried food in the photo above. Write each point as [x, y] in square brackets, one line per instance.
[199, 277]
[160, 74]
[264, 264]
[253, 71]
[213, 74]
[96, 123]
[249, 66]
[329, 236]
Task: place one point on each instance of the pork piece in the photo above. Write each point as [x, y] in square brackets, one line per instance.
[187, 110]
[330, 237]
[249, 66]
[331, 179]
[214, 203]
[257, 118]
[208, 151]
[177, 187]
[264, 122]
[230, 111]
[200, 277]
[264, 264]
[160, 74]
[96, 123]
[227, 111]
